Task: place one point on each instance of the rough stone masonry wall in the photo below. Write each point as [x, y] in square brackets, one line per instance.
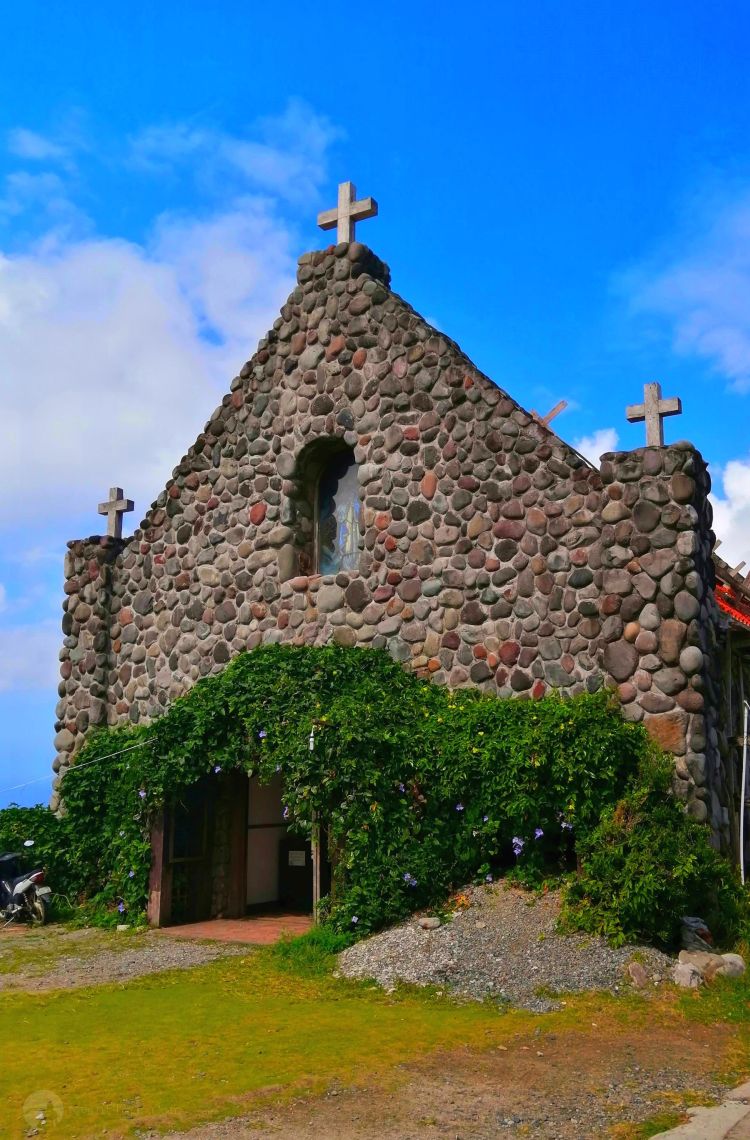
[491, 552]
[660, 619]
[85, 656]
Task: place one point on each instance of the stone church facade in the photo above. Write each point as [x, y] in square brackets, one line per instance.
[363, 483]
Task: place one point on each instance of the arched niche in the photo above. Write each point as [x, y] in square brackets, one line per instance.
[327, 509]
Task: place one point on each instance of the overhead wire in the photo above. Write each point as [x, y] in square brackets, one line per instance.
[85, 764]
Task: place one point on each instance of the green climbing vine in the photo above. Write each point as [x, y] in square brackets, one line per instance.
[422, 789]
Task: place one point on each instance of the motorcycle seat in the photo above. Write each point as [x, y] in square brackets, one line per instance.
[20, 878]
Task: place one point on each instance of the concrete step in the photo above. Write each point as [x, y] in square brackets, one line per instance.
[727, 1121]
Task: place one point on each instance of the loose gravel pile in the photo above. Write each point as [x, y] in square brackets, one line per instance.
[505, 946]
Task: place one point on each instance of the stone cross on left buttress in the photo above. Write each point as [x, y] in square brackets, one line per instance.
[115, 507]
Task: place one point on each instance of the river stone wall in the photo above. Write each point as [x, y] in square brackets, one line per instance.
[491, 554]
[85, 656]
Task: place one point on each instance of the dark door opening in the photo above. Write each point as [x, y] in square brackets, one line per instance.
[190, 839]
[280, 867]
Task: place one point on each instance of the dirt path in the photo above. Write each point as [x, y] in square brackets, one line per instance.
[566, 1086]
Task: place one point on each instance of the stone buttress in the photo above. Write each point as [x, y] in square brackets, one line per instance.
[85, 657]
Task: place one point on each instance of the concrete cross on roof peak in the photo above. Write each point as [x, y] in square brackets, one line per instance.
[347, 212]
[654, 410]
[115, 507]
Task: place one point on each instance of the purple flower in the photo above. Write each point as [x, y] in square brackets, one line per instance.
[286, 813]
[355, 919]
[131, 874]
[459, 807]
[217, 767]
[401, 788]
[142, 794]
[566, 826]
[518, 845]
[409, 879]
[538, 833]
[121, 907]
[488, 878]
[262, 734]
[485, 818]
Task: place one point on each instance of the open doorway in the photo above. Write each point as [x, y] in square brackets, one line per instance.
[222, 849]
[280, 866]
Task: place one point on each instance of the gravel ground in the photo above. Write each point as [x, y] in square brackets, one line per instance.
[70, 959]
[504, 945]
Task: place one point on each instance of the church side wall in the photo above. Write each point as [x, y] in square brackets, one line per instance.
[491, 553]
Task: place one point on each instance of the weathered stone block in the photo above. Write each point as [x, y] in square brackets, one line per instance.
[330, 598]
[620, 660]
[668, 730]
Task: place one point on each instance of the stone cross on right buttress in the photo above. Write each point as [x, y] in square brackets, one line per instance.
[653, 410]
[115, 507]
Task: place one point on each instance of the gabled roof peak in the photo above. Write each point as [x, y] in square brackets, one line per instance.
[342, 261]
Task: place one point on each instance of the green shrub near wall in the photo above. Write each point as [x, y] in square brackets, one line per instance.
[423, 789]
[646, 864]
[38, 824]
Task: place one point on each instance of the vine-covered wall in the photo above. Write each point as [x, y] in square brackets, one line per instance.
[491, 553]
[420, 789]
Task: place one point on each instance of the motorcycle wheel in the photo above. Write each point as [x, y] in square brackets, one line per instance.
[39, 911]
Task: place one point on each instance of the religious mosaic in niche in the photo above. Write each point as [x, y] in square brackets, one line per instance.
[338, 509]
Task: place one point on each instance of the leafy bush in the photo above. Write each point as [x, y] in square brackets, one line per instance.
[19, 824]
[422, 788]
[647, 864]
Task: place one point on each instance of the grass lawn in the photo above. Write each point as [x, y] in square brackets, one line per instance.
[183, 1047]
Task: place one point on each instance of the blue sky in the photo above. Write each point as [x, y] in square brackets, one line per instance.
[564, 189]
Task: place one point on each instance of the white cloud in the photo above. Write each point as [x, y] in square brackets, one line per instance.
[234, 270]
[107, 371]
[286, 155]
[35, 556]
[29, 657]
[158, 148]
[44, 192]
[114, 353]
[27, 144]
[594, 445]
[732, 512]
[699, 288]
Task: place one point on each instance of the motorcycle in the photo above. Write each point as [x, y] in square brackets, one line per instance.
[23, 898]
